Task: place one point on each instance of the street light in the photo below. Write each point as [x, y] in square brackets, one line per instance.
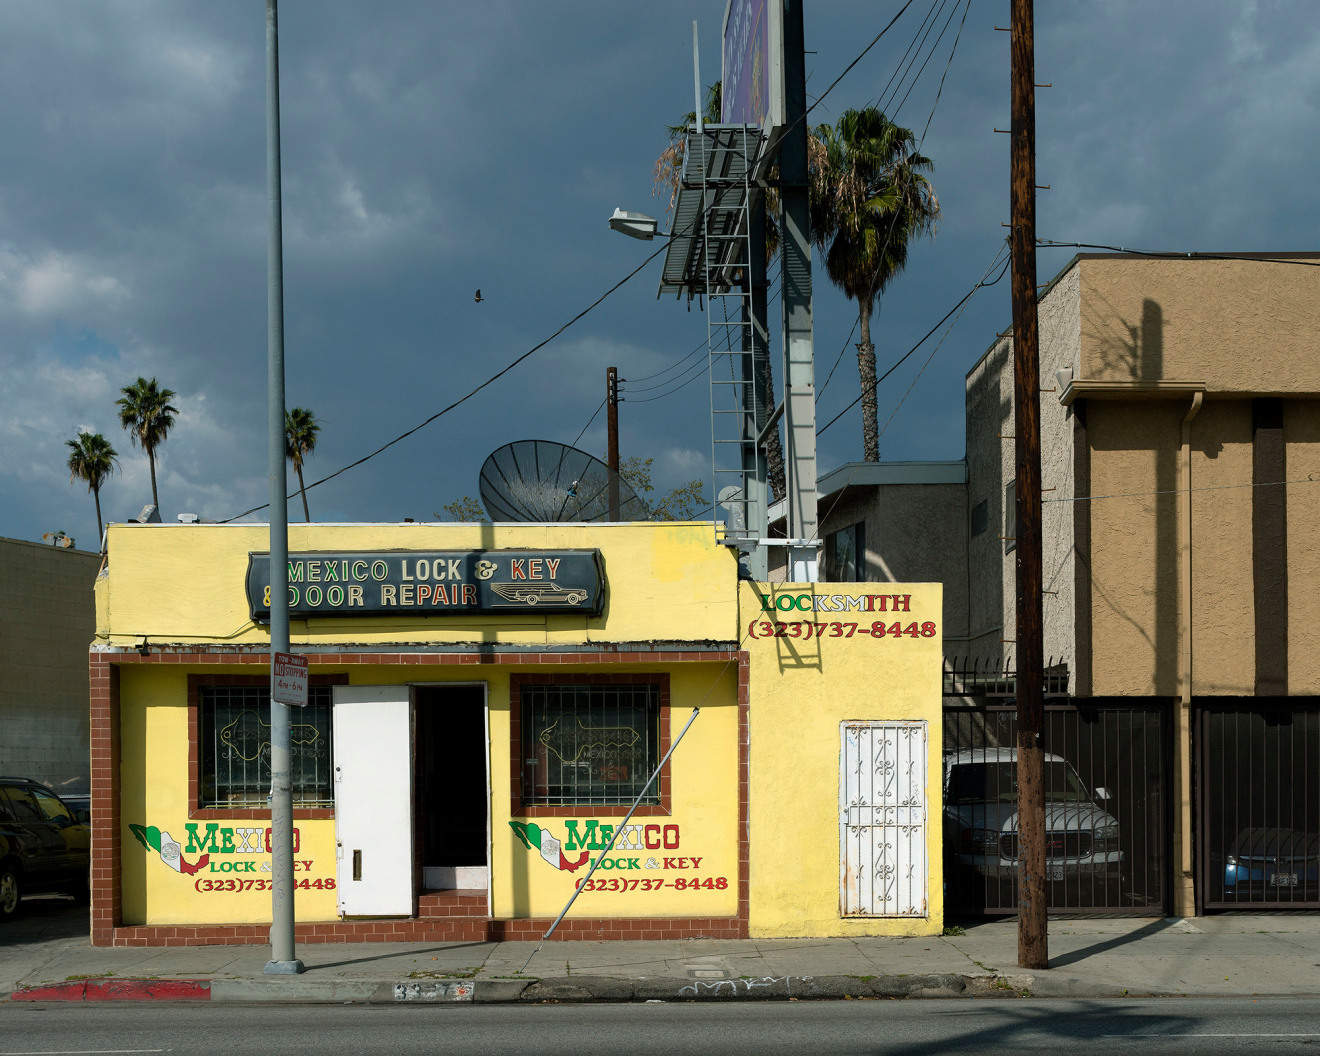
[636, 225]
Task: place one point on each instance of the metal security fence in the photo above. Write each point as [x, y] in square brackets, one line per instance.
[1107, 779]
[1258, 791]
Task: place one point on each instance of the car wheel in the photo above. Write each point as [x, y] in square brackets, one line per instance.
[11, 892]
[532, 599]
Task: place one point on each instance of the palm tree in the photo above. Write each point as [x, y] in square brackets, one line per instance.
[92, 459]
[869, 199]
[300, 430]
[146, 412]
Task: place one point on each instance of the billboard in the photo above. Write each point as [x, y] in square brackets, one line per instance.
[752, 70]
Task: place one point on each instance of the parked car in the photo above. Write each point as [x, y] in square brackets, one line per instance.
[981, 820]
[1270, 863]
[43, 845]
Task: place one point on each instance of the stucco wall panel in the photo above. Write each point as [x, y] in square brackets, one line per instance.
[1223, 635]
[1148, 320]
[1134, 569]
[802, 690]
[182, 583]
[1301, 430]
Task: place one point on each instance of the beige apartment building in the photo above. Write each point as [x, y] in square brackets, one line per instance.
[1180, 437]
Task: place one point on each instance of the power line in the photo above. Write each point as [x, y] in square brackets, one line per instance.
[1177, 255]
[1184, 491]
[463, 399]
[963, 300]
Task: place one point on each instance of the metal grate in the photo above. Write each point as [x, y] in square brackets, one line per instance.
[235, 748]
[1107, 801]
[589, 745]
[1259, 792]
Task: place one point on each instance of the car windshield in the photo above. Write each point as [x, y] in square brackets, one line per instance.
[996, 782]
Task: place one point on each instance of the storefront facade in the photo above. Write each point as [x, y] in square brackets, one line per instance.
[485, 703]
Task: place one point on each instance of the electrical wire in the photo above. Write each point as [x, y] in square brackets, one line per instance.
[1180, 255]
[472, 392]
[929, 333]
[535, 348]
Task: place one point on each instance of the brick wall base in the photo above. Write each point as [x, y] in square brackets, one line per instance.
[457, 929]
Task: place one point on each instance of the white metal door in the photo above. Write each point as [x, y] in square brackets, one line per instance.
[882, 819]
[373, 800]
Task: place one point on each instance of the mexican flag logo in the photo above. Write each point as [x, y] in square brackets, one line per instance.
[168, 848]
[537, 839]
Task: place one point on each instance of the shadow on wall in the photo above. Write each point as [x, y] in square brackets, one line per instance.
[1126, 350]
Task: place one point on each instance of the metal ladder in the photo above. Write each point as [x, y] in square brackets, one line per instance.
[723, 155]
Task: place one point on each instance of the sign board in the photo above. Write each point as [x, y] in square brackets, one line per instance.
[752, 68]
[288, 679]
[428, 583]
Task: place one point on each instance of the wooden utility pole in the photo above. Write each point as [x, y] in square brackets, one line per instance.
[612, 418]
[1033, 936]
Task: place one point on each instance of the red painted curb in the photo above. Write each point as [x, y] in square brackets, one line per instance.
[118, 990]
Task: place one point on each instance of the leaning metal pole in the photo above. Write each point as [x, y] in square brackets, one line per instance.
[1033, 937]
[581, 884]
[282, 960]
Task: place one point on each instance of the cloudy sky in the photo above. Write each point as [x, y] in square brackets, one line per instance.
[432, 148]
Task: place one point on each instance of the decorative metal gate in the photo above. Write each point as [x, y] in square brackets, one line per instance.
[1258, 788]
[883, 868]
[1107, 773]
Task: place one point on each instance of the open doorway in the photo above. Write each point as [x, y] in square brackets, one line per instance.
[452, 804]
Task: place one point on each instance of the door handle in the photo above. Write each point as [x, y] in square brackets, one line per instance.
[357, 865]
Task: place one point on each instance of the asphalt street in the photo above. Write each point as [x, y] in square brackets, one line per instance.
[1206, 1027]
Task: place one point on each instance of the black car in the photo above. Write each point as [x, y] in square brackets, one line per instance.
[43, 845]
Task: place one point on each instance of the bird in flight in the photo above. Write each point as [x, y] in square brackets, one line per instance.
[479, 297]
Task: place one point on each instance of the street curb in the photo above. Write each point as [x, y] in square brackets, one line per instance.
[118, 990]
[574, 989]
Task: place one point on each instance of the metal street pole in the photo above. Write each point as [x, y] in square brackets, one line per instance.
[1033, 936]
[282, 960]
[795, 264]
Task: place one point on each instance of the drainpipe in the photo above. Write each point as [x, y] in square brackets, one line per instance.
[1185, 889]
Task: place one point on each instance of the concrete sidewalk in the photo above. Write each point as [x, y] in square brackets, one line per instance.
[43, 958]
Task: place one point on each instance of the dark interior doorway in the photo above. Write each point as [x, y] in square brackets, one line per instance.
[451, 803]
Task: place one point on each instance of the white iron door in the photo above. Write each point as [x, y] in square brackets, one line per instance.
[882, 819]
[373, 800]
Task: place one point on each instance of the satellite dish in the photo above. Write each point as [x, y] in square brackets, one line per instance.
[539, 481]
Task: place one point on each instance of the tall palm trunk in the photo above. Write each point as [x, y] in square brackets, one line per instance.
[100, 531]
[866, 369]
[302, 488]
[151, 461]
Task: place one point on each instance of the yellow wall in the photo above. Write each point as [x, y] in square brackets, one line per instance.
[154, 792]
[802, 691]
[704, 781]
[185, 583]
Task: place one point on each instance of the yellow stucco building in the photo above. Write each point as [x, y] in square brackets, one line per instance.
[486, 703]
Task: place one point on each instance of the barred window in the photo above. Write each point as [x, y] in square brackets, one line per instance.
[589, 744]
[234, 756]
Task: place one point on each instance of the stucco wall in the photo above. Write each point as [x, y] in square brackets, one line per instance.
[991, 462]
[47, 617]
[703, 777]
[915, 533]
[1223, 610]
[803, 690]
[186, 583]
[1301, 430]
[1240, 325]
